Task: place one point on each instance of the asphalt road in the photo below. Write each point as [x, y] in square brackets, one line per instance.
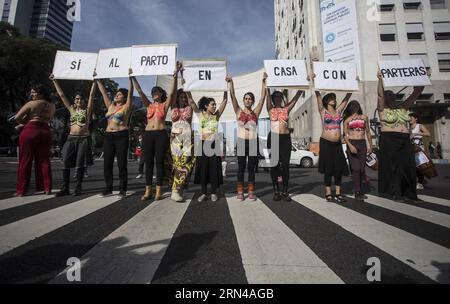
[303, 241]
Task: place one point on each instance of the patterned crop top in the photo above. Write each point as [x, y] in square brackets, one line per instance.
[279, 114]
[158, 109]
[245, 118]
[78, 118]
[396, 117]
[357, 125]
[209, 124]
[184, 114]
[117, 114]
[332, 122]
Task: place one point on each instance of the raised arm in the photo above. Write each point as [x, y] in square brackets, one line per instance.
[294, 100]
[223, 104]
[381, 101]
[90, 105]
[269, 104]
[102, 89]
[319, 101]
[415, 94]
[192, 103]
[234, 101]
[60, 91]
[145, 101]
[344, 102]
[171, 100]
[260, 105]
[129, 102]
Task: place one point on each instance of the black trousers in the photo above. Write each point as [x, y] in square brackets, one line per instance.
[116, 145]
[397, 173]
[249, 149]
[284, 151]
[155, 145]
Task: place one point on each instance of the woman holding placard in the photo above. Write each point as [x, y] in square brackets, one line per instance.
[35, 141]
[156, 139]
[116, 142]
[77, 151]
[208, 168]
[182, 144]
[332, 161]
[247, 122]
[279, 122]
[356, 130]
[397, 174]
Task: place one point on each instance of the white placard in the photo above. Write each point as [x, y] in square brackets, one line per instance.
[154, 59]
[205, 75]
[404, 73]
[286, 73]
[74, 65]
[335, 76]
[113, 63]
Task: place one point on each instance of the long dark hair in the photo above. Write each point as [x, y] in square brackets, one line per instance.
[42, 90]
[204, 103]
[177, 100]
[326, 100]
[353, 107]
[162, 92]
[273, 97]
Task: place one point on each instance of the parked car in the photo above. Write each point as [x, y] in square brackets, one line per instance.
[299, 157]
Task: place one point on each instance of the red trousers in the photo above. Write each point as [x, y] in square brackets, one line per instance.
[34, 144]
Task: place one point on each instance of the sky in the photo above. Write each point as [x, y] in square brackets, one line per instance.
[241, 31]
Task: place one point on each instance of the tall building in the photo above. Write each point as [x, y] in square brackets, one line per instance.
[45, 19]
[382, 30]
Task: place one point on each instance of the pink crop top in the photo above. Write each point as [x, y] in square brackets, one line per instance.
[158, 109]
[184, 114]
[279, 114]
[245, 118]
[332, 122]
[357, 125]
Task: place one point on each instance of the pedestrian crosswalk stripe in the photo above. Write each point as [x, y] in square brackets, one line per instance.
[420, 254]
[435, 200]
[417, 212]
[271, 252]
[21, 201]
[23, 231]
[132, 253]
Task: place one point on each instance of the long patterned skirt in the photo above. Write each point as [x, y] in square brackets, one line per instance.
[183, 161]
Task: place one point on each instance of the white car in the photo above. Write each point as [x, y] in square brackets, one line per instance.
[299, 157]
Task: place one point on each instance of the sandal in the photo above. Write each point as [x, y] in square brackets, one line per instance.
[329, 198]
[339, 199]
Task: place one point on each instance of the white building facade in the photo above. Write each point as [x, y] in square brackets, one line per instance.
[386, 29]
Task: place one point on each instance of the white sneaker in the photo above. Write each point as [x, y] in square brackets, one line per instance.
[214, 198]
[139, 176]
[176, 196]
[202, 198]
[419, 186]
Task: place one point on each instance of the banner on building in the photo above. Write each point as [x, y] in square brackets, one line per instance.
[74, 65]
[113, 63]
[153, 59]
[403, 73]
[340, 31]
[205, 75]
[335, 76]
[286, 73]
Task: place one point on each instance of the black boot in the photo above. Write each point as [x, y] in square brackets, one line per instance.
[66, 181]
[276, 195]
[285, 194]
[80, 175]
